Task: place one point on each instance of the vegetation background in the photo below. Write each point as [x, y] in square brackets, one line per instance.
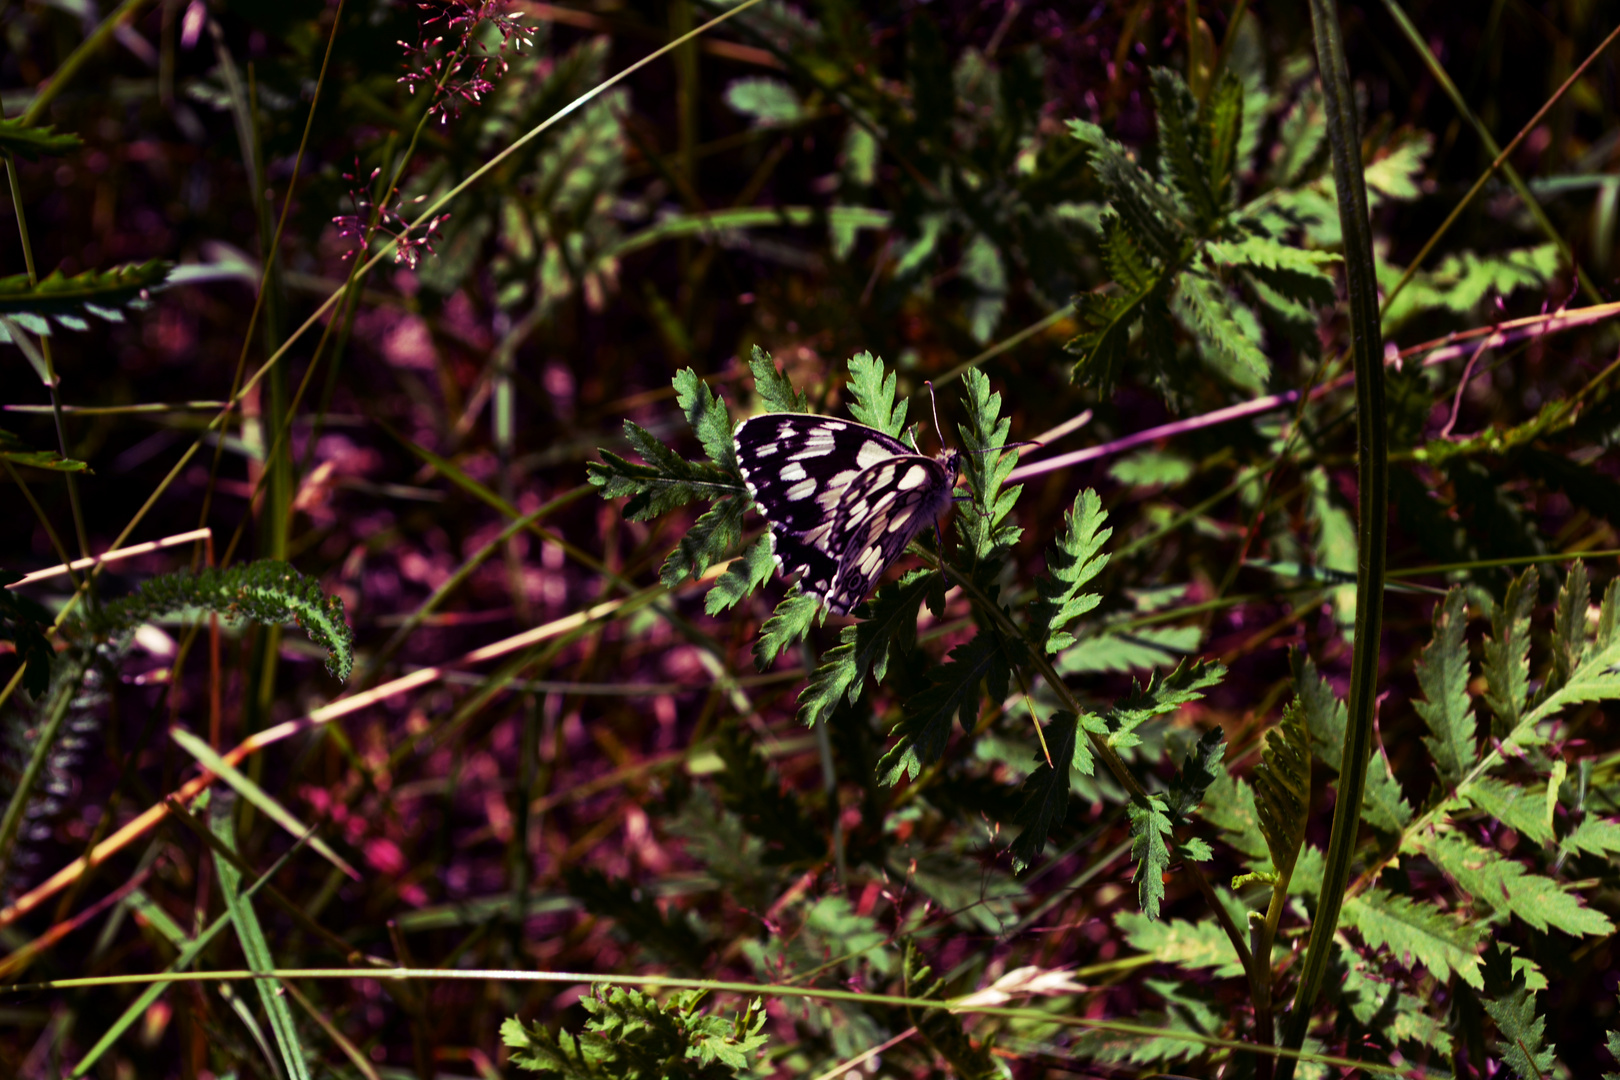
[623, 785]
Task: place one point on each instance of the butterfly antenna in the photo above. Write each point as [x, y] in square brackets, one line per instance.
[939, 432]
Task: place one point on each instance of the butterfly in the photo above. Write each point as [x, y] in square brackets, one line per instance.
[843, 500]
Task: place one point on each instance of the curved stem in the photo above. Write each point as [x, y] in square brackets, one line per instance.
[1372, 525]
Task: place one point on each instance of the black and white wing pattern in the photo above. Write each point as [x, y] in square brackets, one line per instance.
[843, 500]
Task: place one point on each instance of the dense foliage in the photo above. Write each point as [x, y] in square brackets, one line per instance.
[427, 327]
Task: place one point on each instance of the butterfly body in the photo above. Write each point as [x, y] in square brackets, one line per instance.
[843, 500]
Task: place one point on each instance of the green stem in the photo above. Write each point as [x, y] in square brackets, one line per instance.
[1372, 525]
[66, 687]
[79, 57]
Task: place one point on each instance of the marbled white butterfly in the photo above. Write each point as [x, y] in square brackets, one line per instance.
[843, 500]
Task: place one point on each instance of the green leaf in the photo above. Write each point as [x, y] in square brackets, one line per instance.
[1416, 929]
[1045, 792]
[1105, 318]
[775, 392]
[953, 692]
[1300, 138]
[706, 412]
[1200, 769]
[1119, 650]
[1152, 468]
[1151, 826]
[1500, 884]
[766, 102]
[1074, 560]
[266, 592]
[1519, 809]
[984, 521]
[67, 300]
[1180, 153]
[1594, 836]
[1159, 696]
[1220, 131]
[1507, 654]
[1229, 805]
[1513, 1008]
[31, 142]
[14, 450]
[865, 646]
[632, 1036]
[1146, 207]
[1298, 273]
[873, 393]
[1569, 627]
[746, 573]
[1201, 946]
[666, 480]
[255, 948]
[942, 1029]
[1382, 806]
[788, 625]
[1226, 331]
[1282, 788]
[713, 538]
[1442, 673]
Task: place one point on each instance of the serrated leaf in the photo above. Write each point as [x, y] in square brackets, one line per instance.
[1119, 650]
[1220, 130]
[1105, 319]
[14, 450]
[1442, 674]
[788, 625]
[1045, 792]
[31, 141]
[774, 389]
[1417, 932]
[1522, 1032]
[713, 538]
[711, 422]
[1594, 836]
[1201, 946]
[1300, 137]
[983, 522]
[1229, 805]
[873, 395]
[747, 573]
[1501, 884]
[1144, 205]
[1282, 788]
[1199, 769]
[1158, 696]
[1382, 806]
[1180, 153]
[1151, 826]
[1298, 273]
[1519, 809]
[954, 691]
[1507, 654]
[103, 293]
[665, 481]
[1569, 627]
[1226, 331]
[891, 623]
[1073, 561]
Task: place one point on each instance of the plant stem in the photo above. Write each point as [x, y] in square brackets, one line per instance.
[1372, 524]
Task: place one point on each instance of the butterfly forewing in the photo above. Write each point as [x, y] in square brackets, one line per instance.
[843, 499]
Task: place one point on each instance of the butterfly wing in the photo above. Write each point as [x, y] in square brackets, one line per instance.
[797, 467]
[881, 511]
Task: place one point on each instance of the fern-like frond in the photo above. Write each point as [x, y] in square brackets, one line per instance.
[775, 391]
[66, 300]
[266, 592]
[1074, 560]
[1507, 654]
[954, 692]
[1282, 788]
[872, 391]
[891, 624]
[1442, 673]
[665, 481]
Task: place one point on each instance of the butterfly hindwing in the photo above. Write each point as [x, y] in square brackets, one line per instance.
[882, 510]
[843, 499]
